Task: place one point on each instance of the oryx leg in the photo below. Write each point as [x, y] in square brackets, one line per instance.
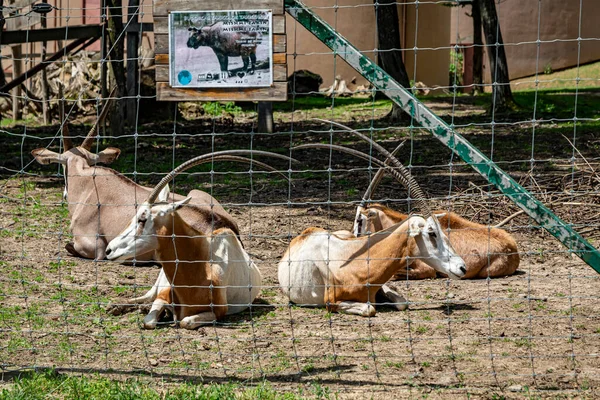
[149, 297]
[86, 247]
[195, 321]
[397, 300]
[162, 302]
[353, 307]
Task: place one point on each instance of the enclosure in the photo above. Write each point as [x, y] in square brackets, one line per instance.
[534, 333]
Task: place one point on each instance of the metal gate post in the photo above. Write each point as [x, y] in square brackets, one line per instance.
[445, 133]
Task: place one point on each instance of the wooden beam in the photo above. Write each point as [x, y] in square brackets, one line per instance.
[137, 27]
[41, 35]
[164, 7]
[38, 67]
[277, 92]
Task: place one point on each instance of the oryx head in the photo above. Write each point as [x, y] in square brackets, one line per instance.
[434, 247]
[140, 235]
[81, 152]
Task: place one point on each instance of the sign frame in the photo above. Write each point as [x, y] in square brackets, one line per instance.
[277, 91]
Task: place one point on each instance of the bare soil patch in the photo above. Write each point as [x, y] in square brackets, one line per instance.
[534, 332]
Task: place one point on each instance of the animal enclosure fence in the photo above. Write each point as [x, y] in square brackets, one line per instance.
[533, 333]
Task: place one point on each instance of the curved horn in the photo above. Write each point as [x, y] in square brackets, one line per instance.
[91, 136]
[358, 154]
[378, 176]
[414, 190]
[67, 142]
[217, 156]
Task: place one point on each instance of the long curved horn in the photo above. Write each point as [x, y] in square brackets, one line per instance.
[91, 136]
[217, 156]
[378, 176]
[67, 142]
[414, 190]
[393, 171]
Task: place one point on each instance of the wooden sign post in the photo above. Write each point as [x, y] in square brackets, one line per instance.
[219, 50]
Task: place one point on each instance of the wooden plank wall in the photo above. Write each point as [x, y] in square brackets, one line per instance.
[277, 92]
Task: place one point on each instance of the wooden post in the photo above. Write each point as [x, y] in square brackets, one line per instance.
[133, 43]
[116, 54]
[265, 117]
[17, 56]
[2, 23]
[45, 93]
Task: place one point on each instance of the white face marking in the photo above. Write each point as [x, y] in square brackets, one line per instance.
[360, 222]
[138, 238]
[437, 251]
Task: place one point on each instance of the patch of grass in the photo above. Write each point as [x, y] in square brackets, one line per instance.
[391, 364]
[523, 342]
[422, 329]
[565, 79]
[50, 384]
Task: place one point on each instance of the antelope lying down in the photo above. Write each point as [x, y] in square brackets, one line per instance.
[206, 273]
[344, 273]
[487, 251]
[100, 199]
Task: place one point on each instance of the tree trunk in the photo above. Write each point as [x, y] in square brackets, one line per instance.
[2, 22]
[116, 55]
[389, 56]
[502, 98]
[477, 49]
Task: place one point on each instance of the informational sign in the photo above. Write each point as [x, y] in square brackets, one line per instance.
[221, 49]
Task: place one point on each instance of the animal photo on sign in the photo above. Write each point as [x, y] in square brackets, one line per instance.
[212, 49]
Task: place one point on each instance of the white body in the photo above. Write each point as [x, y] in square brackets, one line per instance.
[344, 273]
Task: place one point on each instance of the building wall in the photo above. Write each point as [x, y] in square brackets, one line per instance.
[355, 20]
[558, 25]
[427, 29]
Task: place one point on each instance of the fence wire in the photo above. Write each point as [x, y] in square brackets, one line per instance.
[531, 332]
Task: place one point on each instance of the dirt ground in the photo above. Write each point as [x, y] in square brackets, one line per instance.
[535, 333]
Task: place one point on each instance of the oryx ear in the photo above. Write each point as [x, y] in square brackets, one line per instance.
[166, 209]
[163, 196]
[440, 215]
[108, 155]
[371, 213]
[415, 226]
[45, 156]
[183, 202]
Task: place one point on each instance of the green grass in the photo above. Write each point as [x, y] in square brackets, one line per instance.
[566, 79]
[51, 385]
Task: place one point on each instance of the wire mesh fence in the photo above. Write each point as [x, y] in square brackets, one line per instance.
[501, 331]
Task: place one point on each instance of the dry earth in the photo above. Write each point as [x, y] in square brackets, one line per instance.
[534, 333]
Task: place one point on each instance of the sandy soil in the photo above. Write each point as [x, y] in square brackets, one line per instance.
[534, 332]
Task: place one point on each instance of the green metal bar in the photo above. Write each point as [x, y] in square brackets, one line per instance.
[445, 133]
